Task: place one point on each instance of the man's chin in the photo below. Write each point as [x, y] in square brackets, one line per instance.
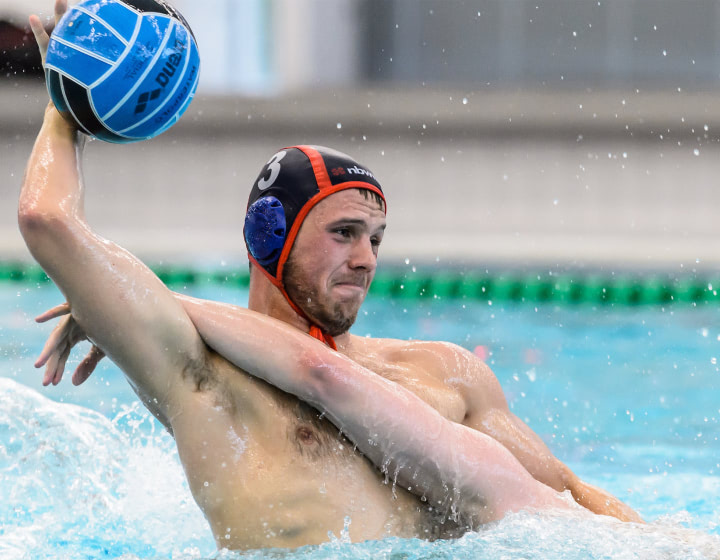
[340, 323]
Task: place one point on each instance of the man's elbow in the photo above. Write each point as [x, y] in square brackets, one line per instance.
[33, 214]
[42, 229]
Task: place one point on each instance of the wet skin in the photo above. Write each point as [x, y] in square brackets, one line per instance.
[265, 470]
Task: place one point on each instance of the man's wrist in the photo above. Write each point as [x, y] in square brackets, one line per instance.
[56, 121]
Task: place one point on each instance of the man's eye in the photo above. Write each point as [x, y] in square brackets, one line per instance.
[375, 242]
[345, 232]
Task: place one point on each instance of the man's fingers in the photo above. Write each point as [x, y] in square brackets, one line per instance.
[87, 366]
[82, 372]
[60, 368]
[41, 36]
[60, 9]
[57, 311]
[44, 356]
[51, 367]
[53, 343]
[38, 29]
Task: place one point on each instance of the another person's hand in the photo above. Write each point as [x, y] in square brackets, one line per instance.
[38, 29]
[64, 336]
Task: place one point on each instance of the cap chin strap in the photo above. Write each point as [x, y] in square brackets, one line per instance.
[315, 331]
[322, 336]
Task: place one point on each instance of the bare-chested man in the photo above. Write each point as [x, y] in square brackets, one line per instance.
[263, 467]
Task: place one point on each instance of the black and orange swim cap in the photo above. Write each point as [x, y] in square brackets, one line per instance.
[288, 187]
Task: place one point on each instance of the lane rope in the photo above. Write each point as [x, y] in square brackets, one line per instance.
[516, 286]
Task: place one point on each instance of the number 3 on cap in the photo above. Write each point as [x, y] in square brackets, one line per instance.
[273, 166]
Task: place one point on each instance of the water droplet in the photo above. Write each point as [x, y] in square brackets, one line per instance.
[339, 125]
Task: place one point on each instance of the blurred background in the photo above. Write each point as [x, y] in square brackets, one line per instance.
[578, 134]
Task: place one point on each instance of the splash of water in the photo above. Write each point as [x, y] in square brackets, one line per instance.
[72, 480]
[74, 484]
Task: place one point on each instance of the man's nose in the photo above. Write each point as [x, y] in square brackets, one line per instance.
[363, 254]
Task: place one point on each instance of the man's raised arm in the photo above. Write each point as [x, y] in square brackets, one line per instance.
[121, 305]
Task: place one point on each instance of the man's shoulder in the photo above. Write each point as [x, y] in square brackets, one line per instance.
[399, 343]
[395, 350]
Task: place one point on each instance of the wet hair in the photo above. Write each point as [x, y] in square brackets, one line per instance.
[372, 195]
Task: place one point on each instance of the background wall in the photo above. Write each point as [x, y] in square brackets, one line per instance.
[556, 133]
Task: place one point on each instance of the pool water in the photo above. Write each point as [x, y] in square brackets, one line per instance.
[629, 398]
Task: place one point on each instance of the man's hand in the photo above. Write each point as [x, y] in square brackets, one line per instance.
[64, 336]
[38, 29]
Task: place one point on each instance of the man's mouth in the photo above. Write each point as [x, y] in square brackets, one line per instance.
[352, 284]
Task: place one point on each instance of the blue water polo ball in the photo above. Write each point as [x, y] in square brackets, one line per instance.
[122, 70]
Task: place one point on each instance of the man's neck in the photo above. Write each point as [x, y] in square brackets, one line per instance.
[267, 299]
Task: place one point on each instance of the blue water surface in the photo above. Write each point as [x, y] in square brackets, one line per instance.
[629, 398]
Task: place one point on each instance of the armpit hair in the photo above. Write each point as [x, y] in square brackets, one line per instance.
[206, 376]
[199, 372]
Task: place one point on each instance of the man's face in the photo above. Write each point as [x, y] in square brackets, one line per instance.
[333, 260]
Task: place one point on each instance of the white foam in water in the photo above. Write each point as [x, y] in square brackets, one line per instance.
[73, 481]
[531, 537]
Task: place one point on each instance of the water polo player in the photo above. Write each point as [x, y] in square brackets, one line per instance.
[265, 468]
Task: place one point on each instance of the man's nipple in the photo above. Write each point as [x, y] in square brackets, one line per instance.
[306, 435]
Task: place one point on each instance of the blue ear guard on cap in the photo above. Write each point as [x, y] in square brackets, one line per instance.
[265, 229]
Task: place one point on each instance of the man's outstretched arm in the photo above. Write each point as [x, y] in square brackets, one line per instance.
[121, 305]
[453, 466]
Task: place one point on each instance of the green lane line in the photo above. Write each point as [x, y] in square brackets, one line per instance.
[523, 287]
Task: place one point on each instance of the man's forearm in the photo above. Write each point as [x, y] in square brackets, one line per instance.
[52, 181]
[52, 191]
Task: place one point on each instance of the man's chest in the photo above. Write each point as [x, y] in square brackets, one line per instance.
[426, 382]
